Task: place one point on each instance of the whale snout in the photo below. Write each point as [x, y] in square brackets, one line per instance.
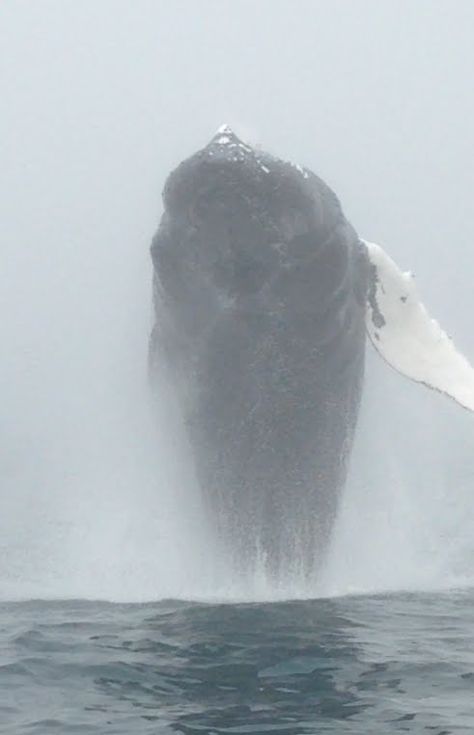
[245, 223]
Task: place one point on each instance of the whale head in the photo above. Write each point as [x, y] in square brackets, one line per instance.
[248, 216]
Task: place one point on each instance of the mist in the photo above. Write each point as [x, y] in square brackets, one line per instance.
[100, 101]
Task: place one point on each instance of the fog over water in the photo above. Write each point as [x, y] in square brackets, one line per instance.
[100, 100]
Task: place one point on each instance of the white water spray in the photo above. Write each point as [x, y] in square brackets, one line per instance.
[112, 511]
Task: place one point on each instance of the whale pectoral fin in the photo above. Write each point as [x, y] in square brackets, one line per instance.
[405, 335]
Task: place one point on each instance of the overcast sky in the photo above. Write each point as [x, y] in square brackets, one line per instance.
[102, 98]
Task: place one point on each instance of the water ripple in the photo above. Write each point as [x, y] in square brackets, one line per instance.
[386, 664]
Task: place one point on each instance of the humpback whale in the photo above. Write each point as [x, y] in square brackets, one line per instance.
[263, 296]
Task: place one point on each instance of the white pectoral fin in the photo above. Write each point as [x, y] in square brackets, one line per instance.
[405, 335]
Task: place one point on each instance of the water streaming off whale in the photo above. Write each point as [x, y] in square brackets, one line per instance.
[91, 509]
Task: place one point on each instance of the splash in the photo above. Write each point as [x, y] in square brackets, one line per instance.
[120, 517]
[99, 501]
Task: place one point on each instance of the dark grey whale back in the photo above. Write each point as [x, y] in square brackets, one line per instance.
[260, 290]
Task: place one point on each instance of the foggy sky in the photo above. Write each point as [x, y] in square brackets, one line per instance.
[102, 98]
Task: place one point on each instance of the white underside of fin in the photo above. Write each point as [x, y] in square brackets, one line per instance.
[405, 335]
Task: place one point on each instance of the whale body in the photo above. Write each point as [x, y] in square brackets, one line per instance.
[263, 294]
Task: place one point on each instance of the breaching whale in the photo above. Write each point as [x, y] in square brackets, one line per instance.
[263, 296]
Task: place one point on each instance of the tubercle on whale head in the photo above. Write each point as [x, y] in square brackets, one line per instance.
[226, 132]
[226, 135]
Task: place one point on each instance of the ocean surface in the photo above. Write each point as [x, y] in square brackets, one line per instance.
[388, 663]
